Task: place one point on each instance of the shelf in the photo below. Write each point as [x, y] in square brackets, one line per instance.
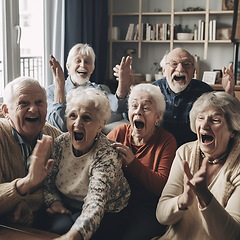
[170, 16]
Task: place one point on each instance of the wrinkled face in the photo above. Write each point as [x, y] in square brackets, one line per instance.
[28, 110]
[213, 132]
[83, 125]
[143, 116]
[179, 70]
[80, 69]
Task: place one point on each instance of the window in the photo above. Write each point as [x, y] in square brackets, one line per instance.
[21, 40]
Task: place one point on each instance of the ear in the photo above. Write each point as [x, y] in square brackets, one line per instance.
[158, 118]
[67, 66]
[164, 71]
[5, 110]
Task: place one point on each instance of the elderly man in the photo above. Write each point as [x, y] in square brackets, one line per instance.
[80, 65]
[180, 90]
[24, 150]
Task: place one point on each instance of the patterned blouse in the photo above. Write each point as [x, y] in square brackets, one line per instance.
[94, 182]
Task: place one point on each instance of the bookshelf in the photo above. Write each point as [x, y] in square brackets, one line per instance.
[124, 12]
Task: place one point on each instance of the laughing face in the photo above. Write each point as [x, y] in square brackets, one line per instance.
[143, 115]
[83, 125]
[27, 113]
[179, 69]
[80, 69]
[213, 133]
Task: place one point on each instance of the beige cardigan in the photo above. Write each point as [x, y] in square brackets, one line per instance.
[220, 220]
[12, 168]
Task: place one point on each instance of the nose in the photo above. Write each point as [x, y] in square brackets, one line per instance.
[180, 67]
[33, 108]
[138, 111]
[205, 124]
[78, 122]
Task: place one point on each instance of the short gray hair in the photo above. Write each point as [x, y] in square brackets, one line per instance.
[164, 59]
[10, 89]
[153, 91]
[85, 95]
[83, 49]
[221, 101]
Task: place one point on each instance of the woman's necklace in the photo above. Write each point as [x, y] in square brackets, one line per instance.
[221, 159]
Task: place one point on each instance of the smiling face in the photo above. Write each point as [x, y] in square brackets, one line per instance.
[80, 68]
[27, 111]
[142, 115]
[179, 69]
[83, 125]
[213, 132]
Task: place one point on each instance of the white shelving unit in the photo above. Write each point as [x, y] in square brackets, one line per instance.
[140, 11]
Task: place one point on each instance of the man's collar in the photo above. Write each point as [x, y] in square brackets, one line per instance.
[19, 138]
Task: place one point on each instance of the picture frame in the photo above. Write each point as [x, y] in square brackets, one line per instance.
[209, 77]
[227, 4]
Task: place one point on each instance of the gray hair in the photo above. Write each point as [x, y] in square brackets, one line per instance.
[221, 101]
[164, 59]
[11, 87]
[151, 90]
[85, 95]
[83, 49]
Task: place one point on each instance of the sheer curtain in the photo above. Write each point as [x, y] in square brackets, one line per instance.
[54, 30]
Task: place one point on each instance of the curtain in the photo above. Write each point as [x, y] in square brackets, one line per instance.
[54, 25]
[86, 21]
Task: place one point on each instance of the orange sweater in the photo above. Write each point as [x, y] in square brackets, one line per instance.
[153, 160]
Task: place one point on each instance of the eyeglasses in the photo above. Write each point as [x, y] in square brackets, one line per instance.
[186, 64]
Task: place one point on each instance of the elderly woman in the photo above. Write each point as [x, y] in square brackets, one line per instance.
[147, 152]
[86, 184]
[201, 197]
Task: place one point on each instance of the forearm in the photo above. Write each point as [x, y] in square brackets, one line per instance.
[9, 196]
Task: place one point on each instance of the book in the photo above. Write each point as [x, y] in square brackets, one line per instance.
[214, 30]
[210, 34]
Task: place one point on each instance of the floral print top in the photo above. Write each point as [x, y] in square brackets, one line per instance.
[94, 179]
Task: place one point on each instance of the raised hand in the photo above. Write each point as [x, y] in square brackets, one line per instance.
[228, 80]
[124, 76]
[40, 166]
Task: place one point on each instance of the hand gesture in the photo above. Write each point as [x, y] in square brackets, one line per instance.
[124, 76]
[57, 207]
[228, 80]
[124, 152]
[195, 185]
[40, 166]
[57, 71]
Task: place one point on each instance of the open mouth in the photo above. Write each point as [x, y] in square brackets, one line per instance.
[179, 78]
[78, 136]
[30, 119]
[139, 124]
[82, 72]
[207, 138]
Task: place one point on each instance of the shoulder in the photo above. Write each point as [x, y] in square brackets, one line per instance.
[187, 150]
[120, 131]
[165, 137]
[50, 130]
[197, 84]
[160, 82]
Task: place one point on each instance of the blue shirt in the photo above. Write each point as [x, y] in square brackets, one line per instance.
[56, 111]
[176, 116]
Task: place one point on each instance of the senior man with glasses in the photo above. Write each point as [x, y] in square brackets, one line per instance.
[181, 91]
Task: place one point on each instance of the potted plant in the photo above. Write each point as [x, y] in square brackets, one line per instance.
[158, 70]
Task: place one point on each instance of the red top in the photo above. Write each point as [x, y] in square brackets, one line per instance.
[153, 160]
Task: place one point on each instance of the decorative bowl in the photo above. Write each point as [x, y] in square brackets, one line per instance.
[184, 36]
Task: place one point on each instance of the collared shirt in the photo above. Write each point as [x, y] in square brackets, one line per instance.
[56, 111]
[26, 149]
[176, 116]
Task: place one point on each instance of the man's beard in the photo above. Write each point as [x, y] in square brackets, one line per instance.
[80, 80]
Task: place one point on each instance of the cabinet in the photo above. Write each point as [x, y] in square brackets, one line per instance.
[214, 54]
